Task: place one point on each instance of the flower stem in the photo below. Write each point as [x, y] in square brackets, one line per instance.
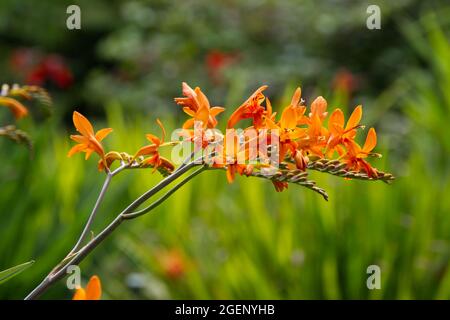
[164, 197]
[78, 256]
[93, 214]
[87, 227]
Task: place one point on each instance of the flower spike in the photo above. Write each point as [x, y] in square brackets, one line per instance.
[300, 140]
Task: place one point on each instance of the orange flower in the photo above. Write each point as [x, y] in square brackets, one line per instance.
[88, 142]
[234, 155]
[93, 290]
[251, 108]
[196, 105]
[226, 156]
[319, 108]
[291, 116]
[316, 134]
[155, 160]
[355, 155]
[339, 134]
[18, 109]
[318, 113]
[216, 62]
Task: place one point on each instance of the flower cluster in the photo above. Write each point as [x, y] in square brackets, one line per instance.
[301, 138]
[90, 142]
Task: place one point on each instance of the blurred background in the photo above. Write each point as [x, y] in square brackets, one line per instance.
[212, 240]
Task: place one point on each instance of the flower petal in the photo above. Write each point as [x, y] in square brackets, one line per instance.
[77, 148]
[296, 97]
[94, 289]
[89, 152]
[371, 141]
[216, 110]
[101, 134]
[235, 117]
[288, 118]
[297, 133]
[82, 124]
[189, 123]
[239, 113]
[163, 137]
[147, 150]
[230, 173]
[354, 119]
[79, 139]
[191, 101]
[18, 109]
[80, 294]
[152, 138]
[268, 108]
[202, 115]
[189, 111]
[202, 99]
[318, 107]
[336, 122]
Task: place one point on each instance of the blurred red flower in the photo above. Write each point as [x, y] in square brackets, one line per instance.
[346, 81]
[36, 68]
[216, 61]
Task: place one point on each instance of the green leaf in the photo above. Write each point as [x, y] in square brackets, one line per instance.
[7, 274]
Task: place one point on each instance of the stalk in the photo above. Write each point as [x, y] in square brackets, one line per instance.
[76, 256]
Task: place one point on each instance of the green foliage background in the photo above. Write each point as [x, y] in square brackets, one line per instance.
[241, 240]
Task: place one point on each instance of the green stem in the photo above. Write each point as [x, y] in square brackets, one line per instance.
[78, 256]
[136, 214]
